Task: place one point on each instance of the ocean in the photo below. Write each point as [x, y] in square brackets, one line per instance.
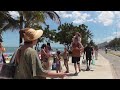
[12, 49]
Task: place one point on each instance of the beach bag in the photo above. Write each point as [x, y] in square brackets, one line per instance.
[8, 69]
[93, 61]
[53, 66]
[84, 61]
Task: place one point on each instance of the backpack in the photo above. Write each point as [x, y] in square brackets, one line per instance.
[8, 69]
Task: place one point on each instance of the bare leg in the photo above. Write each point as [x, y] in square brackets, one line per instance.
[75, 66]
[67, 67]
[79, 66]
[57, 69]
[60, 68]
[87, 65]
[65, 64]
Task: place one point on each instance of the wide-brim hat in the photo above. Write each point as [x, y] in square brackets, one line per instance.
[32, 34]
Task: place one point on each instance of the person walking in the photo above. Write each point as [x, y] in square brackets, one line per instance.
[76, 49]
[58, 62]
[44, 57]
[106, 50]
[28, 63]
[66, 59]
[88, 51]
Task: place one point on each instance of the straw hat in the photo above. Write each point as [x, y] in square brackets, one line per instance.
[32, 34]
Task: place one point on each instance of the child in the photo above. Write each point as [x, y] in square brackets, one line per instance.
[66, 59]
[78, 36]
[54, 63]
[44, 57]
[58, 63]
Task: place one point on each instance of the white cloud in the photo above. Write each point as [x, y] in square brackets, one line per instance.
[117, 13]
[98, 11]
[77, 17]
[78, 21]
[14, 14]
[64, 14]
[106, 17]
[92, 20]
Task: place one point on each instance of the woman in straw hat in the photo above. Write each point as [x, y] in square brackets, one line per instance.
[29, 65]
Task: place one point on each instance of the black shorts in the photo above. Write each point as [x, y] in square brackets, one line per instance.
[76, 60]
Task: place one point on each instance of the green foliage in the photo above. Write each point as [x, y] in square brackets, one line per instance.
[66, 32]
[92, 43]
[114, 43]
[25, 19]
[49, 34]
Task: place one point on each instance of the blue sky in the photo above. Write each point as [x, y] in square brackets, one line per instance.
[103, 25]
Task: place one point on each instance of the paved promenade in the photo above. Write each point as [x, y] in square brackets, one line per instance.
[101, 70]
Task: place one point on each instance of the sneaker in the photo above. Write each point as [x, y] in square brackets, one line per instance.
[76, 74]
[87, 69]
[66, 71]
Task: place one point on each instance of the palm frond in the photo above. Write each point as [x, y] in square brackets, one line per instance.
[53, 15]
[9, 26]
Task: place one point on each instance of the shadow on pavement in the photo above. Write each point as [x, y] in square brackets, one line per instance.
[73, 74]
[98, 65]
[86, 70]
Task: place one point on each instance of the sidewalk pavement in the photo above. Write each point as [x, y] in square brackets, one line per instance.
[101, 70]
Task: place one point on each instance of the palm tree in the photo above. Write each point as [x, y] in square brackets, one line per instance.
[6, 22]
[26, 19]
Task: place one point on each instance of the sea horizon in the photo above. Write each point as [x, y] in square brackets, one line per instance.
[12, 49]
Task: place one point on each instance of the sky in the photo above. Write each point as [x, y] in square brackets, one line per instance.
[104, 25]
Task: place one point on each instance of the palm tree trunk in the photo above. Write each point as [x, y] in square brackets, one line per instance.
[21, 26]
